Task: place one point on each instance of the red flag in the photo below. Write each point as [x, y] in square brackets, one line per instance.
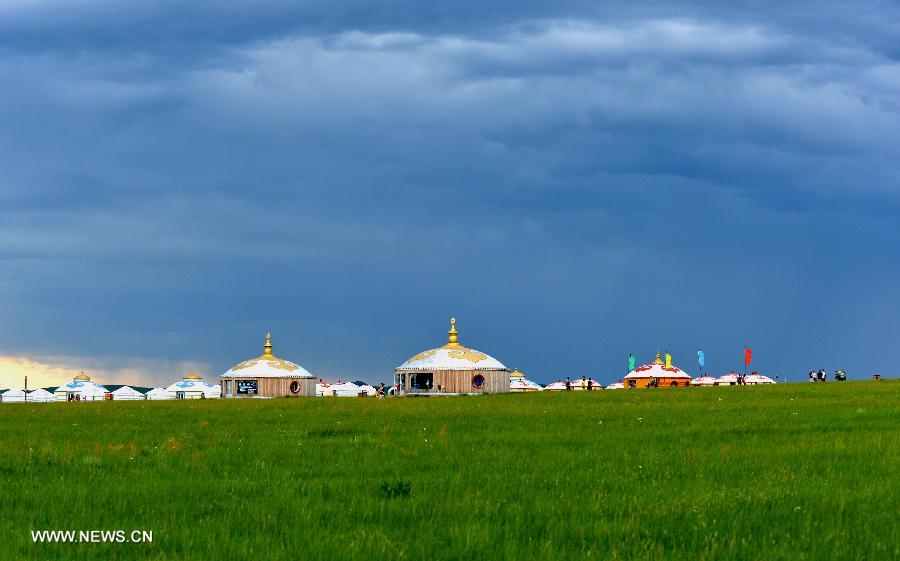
[748, 355]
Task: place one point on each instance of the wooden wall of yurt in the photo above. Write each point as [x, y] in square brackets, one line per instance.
[461, 381]
[273, 387]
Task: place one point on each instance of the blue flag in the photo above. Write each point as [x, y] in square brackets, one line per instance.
[701, 358]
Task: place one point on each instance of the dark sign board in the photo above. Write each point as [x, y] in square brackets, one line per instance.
[249, 387]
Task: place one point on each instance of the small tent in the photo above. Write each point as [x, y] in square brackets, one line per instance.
[758, 379]
[41, 395]
[128, 393]
[730, 379]
[193, 387]
[13, 396]
[158, 394]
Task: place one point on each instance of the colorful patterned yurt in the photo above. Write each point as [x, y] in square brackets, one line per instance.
[657, 373]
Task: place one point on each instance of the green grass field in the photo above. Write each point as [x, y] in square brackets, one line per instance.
[797, 471]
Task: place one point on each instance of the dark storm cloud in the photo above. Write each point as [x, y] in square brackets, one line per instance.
[574, 183]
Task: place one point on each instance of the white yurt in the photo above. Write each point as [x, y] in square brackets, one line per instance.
[555, 386]
[345, 389]
[322, 388]
[193, 387]
[705, 380]
[128, 393]
[158, 394]
[519, 383]
[81, 388]
[616, 386]
[41, 395]
[367, 389]
[13, 396]
[730, 379]
[758, 379]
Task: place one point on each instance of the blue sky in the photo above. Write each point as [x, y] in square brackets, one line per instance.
[572, 182]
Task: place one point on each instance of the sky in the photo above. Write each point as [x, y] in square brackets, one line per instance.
[572, 182]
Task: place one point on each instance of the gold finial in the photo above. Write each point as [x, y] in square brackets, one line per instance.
[191, 375]
[658, 358]
[268, 346]
[452, 339]
[82, 376]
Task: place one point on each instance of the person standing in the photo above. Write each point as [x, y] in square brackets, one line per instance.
[568, 384]
[590, 384]
[811, 378]
[584, 383]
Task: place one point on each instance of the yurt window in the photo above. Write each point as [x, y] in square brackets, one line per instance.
[477, 381]
[249, 387]
[422, 380]
[295, 387]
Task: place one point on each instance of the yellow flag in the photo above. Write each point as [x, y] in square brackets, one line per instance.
[668, 360]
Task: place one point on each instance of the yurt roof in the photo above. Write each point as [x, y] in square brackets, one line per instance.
[615, 386]
[558, 385]
[730, 377]
[759, 379]
[703, 380]
[267, 365]
[452, 356]
[13, 393]
[657, 369]
[524, 384]
[191, 383]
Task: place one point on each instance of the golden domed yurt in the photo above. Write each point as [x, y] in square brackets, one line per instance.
[657, 374]
[267, 376]
[451, 369]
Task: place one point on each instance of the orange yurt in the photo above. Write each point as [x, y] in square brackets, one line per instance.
[657, 374]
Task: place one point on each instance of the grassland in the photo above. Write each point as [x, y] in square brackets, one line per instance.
[799, 471]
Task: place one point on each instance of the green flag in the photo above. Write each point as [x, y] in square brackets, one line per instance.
[630, 363]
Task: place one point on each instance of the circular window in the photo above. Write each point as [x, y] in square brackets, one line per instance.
[295, 387]
[478, 381]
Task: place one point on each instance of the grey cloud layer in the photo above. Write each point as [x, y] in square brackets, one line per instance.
[577, 185]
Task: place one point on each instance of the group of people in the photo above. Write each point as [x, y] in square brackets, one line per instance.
[586, 383]
[821, 376]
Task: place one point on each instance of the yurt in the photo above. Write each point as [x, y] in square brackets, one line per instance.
[193, 387]
[366, 390]
[13, 396]
[41, 395]
[268, 376]
[582, 385]
[730, 379]
[347, 389]
[705, 380]
[616, 386]
[128, 393]
[657, 373]
[158, 394]
[555, 386]
[81, 388]
[758, 379]
[452, 369]
[322, 388]
[519, 383]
